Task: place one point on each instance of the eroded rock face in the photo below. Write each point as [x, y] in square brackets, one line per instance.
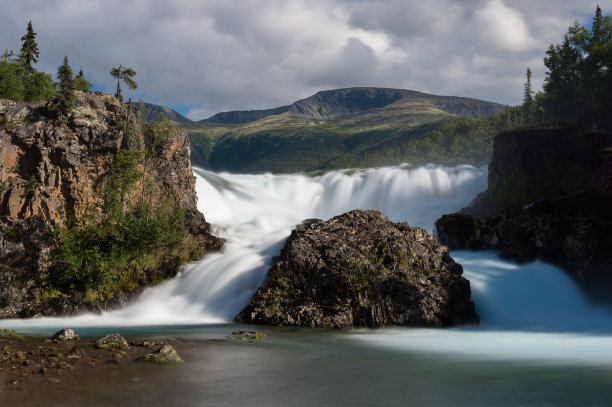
[53, 170]
[361, 269]
[549, 197]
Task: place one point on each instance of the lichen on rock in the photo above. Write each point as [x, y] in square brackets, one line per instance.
[361, 269]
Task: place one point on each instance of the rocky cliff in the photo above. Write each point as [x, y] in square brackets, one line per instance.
[55, 173]
[361, 269]
[549, 197]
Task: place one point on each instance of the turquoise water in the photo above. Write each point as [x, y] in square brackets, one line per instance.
[540, 343]
[304, 367]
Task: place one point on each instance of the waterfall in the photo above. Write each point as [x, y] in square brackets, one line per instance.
[255, 214]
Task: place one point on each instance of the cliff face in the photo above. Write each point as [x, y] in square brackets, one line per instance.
[55, 171]
[549, 197]
[535, 164]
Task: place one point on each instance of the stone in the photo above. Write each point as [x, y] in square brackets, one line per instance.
[249, 334]
[164, 355]
[65, 334]
[112, 341]
[361, 269]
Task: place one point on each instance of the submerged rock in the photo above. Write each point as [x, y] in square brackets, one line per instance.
[112, 341]
[254, 335]
[165, 354]
[65, 334]
[361, 269]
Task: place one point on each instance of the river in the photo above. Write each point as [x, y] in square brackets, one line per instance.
[540, 342]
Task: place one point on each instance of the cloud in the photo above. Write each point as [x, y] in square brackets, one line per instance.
[503, 28]
[213, 56]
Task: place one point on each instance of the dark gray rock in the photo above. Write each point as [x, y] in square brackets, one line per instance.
[361, 269]
[65, 334]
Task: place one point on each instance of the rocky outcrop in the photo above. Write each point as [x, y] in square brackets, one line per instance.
[549, 197]
[361, 269]
[54, 170]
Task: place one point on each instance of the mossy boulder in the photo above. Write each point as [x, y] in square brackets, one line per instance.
[112, 341]
[164, 355]
[361, 269]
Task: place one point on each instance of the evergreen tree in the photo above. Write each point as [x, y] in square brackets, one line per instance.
[578, 83]
[125, 75]
[80, 83]
[29, 50]
[528, 105]
[65, 98]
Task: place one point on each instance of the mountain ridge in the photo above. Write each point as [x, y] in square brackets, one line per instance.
[333, 103]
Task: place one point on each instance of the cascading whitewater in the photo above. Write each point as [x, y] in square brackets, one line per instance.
[255, 214]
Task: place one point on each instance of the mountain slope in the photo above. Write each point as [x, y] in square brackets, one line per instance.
[322, 127]
[153, 112]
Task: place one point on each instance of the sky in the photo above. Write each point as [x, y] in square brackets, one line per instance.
[201, 57]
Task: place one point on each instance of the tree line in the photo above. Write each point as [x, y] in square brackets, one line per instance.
[578, 83]
[21, 82]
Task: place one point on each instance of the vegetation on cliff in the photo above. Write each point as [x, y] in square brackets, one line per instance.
[93, 207]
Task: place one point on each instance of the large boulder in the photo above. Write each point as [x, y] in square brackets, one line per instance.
[361, 269]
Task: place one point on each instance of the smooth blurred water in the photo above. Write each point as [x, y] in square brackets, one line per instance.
[540, 342]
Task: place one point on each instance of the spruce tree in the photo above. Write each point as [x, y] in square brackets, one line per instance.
[29, 50]
[528, 99]
[65, 98]
[125, 75]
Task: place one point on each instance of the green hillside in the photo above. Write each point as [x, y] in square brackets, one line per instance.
[322, 128]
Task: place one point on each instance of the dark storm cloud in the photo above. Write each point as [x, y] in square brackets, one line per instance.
[209, 56]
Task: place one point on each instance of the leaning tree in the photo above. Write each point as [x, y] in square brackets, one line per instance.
[126, 75]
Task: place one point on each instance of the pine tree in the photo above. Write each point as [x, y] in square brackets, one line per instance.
[125, 75]
[29, 50]
[65, 98]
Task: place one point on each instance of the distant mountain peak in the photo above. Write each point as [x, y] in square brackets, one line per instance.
[153, 111]
[335, 103]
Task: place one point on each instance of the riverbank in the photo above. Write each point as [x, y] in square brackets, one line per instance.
[28, 361]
